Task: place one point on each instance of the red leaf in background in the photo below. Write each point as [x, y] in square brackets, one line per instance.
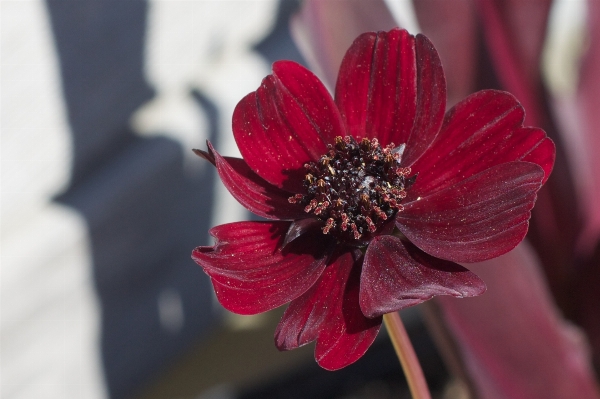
[588, 106]
[514, 343]
[515, 31]
[451, 25]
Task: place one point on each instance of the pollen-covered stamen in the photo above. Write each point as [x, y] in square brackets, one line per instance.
[312, 205]
[295, 199]
[344, 222]
[328, 226]
[370, 224]
[355, 232]
[380, 214]
[321, 207]
[355, 187]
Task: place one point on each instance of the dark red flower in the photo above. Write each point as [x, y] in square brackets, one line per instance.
[374, 195]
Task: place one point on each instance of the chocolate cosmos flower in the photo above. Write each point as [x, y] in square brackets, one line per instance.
[373, 195]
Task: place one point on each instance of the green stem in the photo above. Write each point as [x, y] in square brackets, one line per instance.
[406, 354]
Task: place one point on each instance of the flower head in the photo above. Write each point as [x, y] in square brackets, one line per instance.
[373, 196]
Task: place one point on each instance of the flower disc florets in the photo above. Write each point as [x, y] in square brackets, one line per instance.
[355, 187]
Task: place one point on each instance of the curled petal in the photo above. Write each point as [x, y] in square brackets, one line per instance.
[287, 122]
[396, 275]
[329, 312]
[484, 130]
[477, 219]
[391, 86]
[253, 192]
[250, 271]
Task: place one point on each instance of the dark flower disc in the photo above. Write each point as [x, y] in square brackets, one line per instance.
[355, 188]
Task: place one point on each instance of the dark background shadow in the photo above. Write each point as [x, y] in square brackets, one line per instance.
[144, 215]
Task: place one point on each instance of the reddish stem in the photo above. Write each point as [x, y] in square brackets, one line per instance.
[406, 354]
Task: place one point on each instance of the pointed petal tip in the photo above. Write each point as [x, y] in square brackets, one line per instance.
[252, 191]
[350, 348]
[204, 155]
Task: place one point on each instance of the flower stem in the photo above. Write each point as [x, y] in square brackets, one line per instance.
[406, 354]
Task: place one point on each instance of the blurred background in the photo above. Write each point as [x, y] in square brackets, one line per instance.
[102, 199]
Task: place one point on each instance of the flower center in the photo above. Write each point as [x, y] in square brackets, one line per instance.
[355, 187]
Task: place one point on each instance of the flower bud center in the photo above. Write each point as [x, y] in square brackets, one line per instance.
[355, 188]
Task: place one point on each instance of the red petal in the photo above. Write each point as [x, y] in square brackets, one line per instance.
[301, 227]
[431, 101]
[397, 275]
[250, 272]
[479, 218]
[391, 86]
[376, 90]
[484, 130]
[329, 312]
[254, 193]
[287, 122]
